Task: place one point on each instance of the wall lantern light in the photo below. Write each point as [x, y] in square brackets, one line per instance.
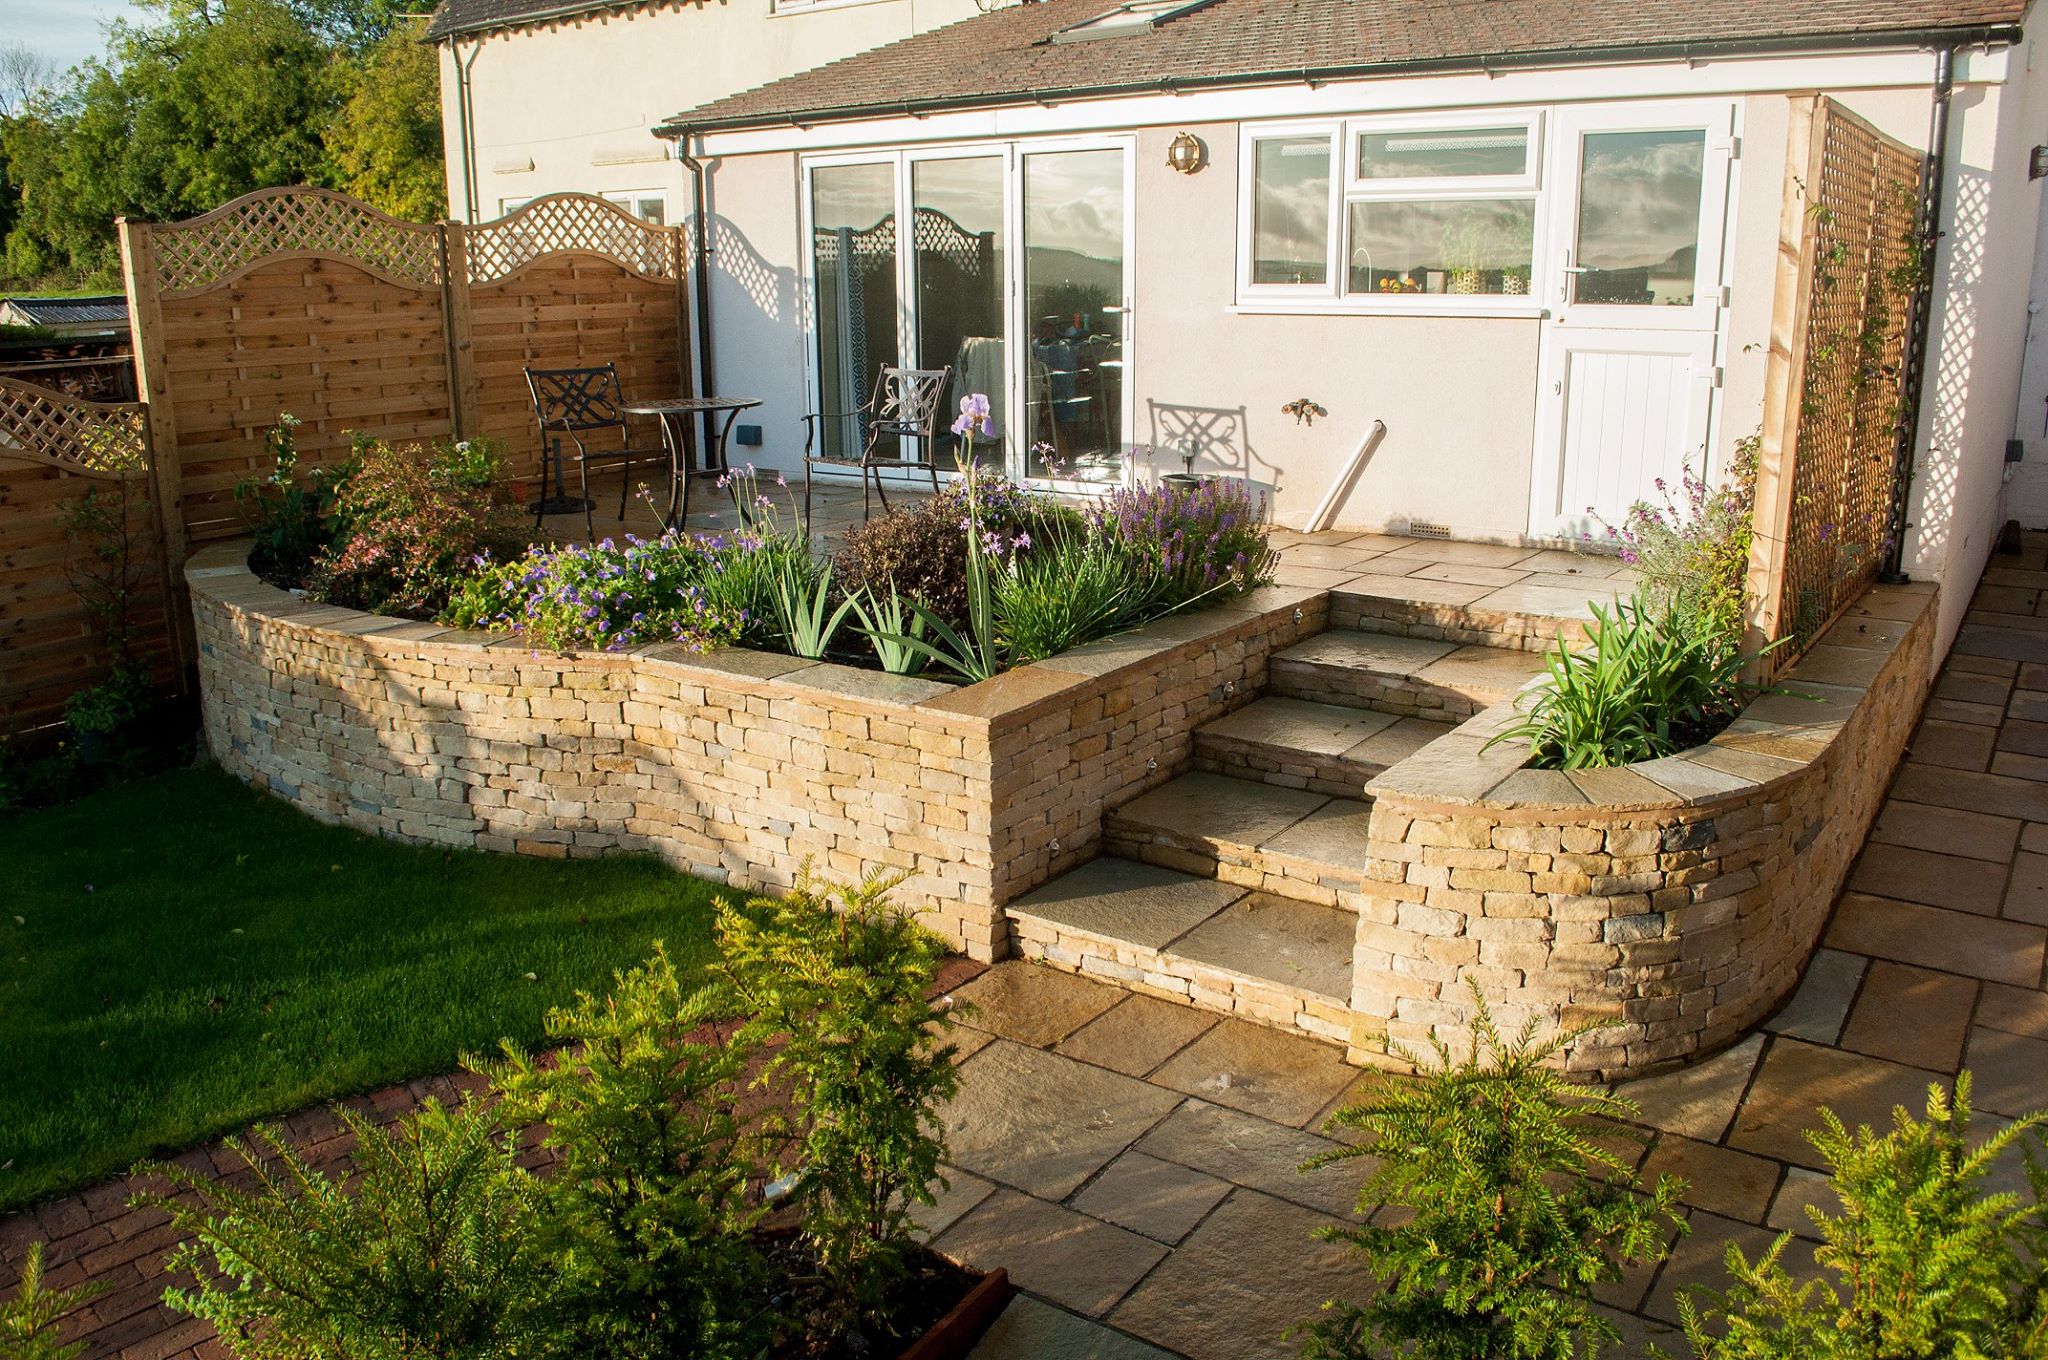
[2037, 163]
[1186, 154]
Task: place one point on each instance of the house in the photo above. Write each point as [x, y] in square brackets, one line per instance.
[1537, 239]
[543, 96]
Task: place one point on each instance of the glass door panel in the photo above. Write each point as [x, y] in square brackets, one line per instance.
[957, 208]
[1638, 232]
[1073, 314]
[853, 245]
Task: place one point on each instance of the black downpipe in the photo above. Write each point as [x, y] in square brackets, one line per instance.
[700, 219]
[1913, 380]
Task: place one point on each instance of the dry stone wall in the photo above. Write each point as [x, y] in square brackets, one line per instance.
[739, 766]
[1677, 899]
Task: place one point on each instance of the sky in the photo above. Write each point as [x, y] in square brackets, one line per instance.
[65, 31]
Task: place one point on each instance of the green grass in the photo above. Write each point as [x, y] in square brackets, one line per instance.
[191, 954]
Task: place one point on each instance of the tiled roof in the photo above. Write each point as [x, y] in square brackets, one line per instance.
[476, 16]
[1008, 56]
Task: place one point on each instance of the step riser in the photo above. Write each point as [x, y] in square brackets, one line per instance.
[1284, 767]
[1353, 688]
[1161, 974]
[1240, 866]
[1452, 623]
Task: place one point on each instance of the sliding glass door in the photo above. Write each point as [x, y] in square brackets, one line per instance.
[1015, 277]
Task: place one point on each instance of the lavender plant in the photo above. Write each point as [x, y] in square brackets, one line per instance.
[1194, 541]
[1692, 551]
[608, 596]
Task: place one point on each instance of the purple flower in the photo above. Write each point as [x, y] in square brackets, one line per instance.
[974, 417]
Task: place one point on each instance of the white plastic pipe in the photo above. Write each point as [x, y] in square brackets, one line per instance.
[1327, 511]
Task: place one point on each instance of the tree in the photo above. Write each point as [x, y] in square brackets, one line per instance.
[24, 74]
[386, 139]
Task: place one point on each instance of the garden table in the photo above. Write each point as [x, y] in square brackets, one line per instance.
[674, 414]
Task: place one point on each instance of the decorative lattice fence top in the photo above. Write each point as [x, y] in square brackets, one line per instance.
[1861, 209]
[935, 233]
[212, 249]
[570, 223]
[93, 438]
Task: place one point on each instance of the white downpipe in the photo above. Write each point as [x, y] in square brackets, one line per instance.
[1327, 511]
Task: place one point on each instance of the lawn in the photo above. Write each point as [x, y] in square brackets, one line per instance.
[183, 954]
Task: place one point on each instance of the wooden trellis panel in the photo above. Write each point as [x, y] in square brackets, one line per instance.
[54, 451]
[1847, 267]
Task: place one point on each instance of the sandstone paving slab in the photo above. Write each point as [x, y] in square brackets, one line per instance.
[1465, 574]
[2009, 1071]
[1912, 1015]
[1821, 1002]
[1698, 1259]
[1973, 688]
[2025, 767]
[1296, 944]
[1318, 578]
[1386, 585]
[1717, 1179]
[1379, 653]
[1638, 1334]
[1260, 1155]
[1471, 554]
[1260, 1071]
[1137, 1035]
[1216, 807]
[1334, 834]
[1125, 900]
[952, 1201]
[1698, 1101]
[1498, 669]
[1796, 1079]
[2024, 735]
[1044, 1123]
[2016, 1010]
[1953, 881]
[1031, 1329]
[1960, 746]
[1399, 741]
[1031, 1003]
[2026, 895]
[1163, 1200]
[1538, 596]
[1253, 1270]
[1931, 937]
[1300, 725]
[1569, 562]
[1955, 710]
[968, 1041]
[1949, 830]
[1076, 1261]
[2009, 644]
[1802, 1189]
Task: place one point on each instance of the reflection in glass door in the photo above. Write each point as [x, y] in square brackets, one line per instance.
[1073, 314]
[1638, 236]
[853, 243]
[957, 206]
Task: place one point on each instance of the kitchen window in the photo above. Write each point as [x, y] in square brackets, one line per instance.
[1433, 213]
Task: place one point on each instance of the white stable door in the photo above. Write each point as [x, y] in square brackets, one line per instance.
[1629, 367]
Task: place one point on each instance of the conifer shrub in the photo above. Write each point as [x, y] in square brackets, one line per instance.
[1923, 1262]
[28, 1321]
[1508, 1206]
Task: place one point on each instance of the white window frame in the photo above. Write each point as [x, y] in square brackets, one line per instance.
[1348, 187]
[631, 199]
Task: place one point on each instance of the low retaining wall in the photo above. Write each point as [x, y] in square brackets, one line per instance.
[1679, 898]
[738, 766]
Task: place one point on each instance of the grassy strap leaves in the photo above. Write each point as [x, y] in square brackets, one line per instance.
[1512, 1207]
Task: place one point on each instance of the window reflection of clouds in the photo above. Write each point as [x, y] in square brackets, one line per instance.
[970, 191]
[1291, 210]
[1074, 200]
[1639, 197]
[856, 196]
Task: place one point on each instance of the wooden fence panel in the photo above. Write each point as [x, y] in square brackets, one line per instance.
[54, 452]
[1847, 268]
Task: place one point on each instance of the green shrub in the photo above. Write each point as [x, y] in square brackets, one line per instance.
[1921, 1264]
[650, 1223]
[287, 517]
[1648, 681]
[838, 987]
[429, 1251]
[28, 1321]
[1509, 1208]
[409, 526]
[1692, 552]
[920, 550]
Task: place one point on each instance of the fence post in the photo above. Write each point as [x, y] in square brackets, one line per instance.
[463, 392]
[1785, 374]
[160, 433]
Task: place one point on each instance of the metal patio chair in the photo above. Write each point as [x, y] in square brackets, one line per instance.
[907, 403]
[579, 402]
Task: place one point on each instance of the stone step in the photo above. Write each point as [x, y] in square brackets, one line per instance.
[1301, 744]
[1406, 676]
[1248, 834]
[1529, 615]
[1268, 959]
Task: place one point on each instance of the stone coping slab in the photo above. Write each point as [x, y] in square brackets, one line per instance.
[1777, 736]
